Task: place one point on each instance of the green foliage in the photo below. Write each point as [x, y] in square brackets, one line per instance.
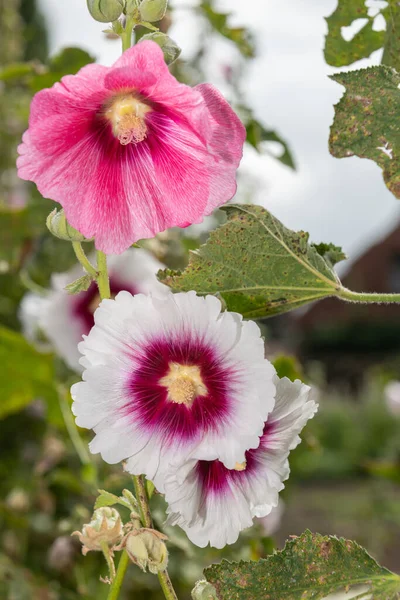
[339, 52]
[82, 284]
[240, 36]
[68, 62]
[309, 567]
[331, 253]
[25, 374]
[257, 134]
[366, 120]
[288, 366]
[258, 266]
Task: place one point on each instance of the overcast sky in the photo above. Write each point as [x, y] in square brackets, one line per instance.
[344, 201]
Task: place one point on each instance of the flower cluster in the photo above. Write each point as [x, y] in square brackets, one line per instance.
[172, 385]
[183, 393]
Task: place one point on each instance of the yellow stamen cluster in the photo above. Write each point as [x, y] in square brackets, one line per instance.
[127, 115]
[184, 384]
[240, 466]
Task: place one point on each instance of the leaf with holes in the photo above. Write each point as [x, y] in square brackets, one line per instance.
[366, 120]
[256, 265]
[309, 567]
[340, 52]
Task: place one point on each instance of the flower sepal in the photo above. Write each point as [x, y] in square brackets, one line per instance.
[152, 10]
[145, 547]
[58, 225]
[204, 591]
[105, 11]
[170, 48]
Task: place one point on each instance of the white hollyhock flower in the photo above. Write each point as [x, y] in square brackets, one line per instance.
[167, 374]
[212, 503]
[65, 318]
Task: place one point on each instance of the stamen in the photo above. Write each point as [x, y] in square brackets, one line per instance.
[127, 116]
[240, 466]
[184, 384]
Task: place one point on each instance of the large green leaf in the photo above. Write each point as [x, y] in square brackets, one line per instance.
[309, 567]
[339, 52]
[257, 265]
[366, 120]
[25, 374]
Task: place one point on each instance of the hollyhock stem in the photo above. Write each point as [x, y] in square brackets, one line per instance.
[83, 259]
[147, 521]
[126, 36]
[102, 275]
[119, 577]
[366, 298]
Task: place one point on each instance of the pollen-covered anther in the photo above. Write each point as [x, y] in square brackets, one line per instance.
[184, 384]
[127, 115]
[240, 466]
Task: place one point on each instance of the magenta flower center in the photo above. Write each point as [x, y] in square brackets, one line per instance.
[126, 114]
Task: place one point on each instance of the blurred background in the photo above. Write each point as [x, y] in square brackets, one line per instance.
[267, 58]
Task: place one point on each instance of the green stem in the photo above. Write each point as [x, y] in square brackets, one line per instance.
[83, 259]
[116, 585]
[71, 427]
[126, 36]
[368, 297]
[141, 497]
[102, 275]
[166, 586]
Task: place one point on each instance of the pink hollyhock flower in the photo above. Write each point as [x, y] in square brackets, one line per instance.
[128, 151]
[64, 319]
[212, 503]
[167, 374]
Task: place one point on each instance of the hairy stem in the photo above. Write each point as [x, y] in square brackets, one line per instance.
[166, 586]
[362, 297]
[103, 282]
[116, 585]
[83, 259]
[126, 36]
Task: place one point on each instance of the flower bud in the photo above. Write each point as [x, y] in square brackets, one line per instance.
[105, 528]
[170, 48]
[105, 11]
[58, 225]
[146, 548]
[204, 591]
[152, 10]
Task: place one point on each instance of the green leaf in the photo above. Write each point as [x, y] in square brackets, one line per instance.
[366, 122]
[240, 36]
[339, 52]
[288, 366]
[105, 499]
[331, 253]
[391, 53]
[257, 134]
[79, 285]
[257, 265]
[309, 567]
[25, 374]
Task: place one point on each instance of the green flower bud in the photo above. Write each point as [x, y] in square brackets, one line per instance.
[152, 10]
[105, 11]
[146, 548]
[58, 225]
[168, 46]
[105, 528]
[204, 591]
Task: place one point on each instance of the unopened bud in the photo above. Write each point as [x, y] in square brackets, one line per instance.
[170, 48]
[58, 225]
[204, 591]
[105, 528]
[146, 548]
[105, 11]
[152, 10]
